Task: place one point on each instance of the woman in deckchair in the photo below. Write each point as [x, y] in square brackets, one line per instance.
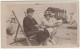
[49, 25]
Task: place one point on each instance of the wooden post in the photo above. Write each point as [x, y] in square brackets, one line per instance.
[21, 29]
[16, 34]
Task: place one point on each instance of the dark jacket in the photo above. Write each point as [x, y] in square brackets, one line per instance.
[29, 25]
[30, 29]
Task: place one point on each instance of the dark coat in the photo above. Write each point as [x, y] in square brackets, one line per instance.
[30, 29]
[29, 25]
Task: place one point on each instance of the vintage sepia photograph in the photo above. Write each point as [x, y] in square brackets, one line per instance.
[40, 24]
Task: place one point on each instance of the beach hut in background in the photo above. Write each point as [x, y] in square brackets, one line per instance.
[59, 13]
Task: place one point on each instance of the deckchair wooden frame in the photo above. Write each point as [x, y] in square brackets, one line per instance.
[19, 26]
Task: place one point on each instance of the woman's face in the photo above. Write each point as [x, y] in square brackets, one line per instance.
[47, 17]
[31, 13]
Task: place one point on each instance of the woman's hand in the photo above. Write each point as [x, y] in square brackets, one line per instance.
[41, 29]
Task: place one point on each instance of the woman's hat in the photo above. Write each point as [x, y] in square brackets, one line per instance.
[30, 10]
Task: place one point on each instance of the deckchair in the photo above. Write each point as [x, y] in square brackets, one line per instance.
[19, 26]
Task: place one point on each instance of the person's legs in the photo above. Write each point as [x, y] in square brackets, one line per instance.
[42, 36]
[53, 35]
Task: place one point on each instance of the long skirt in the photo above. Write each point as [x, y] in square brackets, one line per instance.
[41, 35]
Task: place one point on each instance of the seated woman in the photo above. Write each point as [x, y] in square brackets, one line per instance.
[31, 27]
[50, 25]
